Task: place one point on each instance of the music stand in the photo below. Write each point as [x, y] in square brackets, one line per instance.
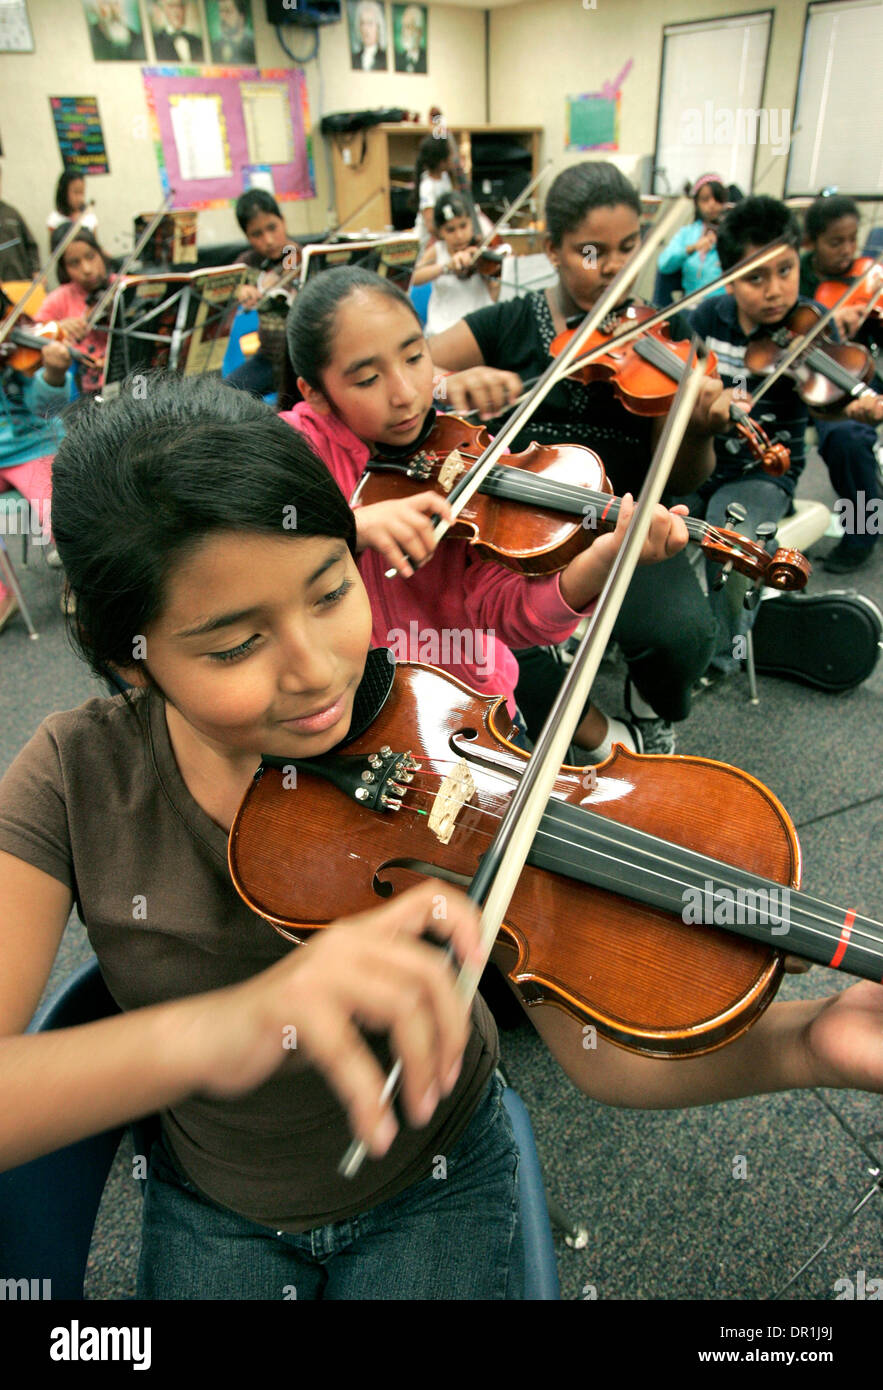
[181, 322]
[391, 256]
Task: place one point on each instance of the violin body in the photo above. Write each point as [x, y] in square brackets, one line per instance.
[826, 374]
[650, 983]
[639, 382]
[525, 537]
[829, 292]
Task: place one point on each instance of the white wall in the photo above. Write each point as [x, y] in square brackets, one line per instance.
[546, 50]
[62, 65]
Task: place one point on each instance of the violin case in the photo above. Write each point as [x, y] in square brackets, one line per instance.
[830, 641]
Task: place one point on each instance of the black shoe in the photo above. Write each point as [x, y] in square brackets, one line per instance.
[847, 556]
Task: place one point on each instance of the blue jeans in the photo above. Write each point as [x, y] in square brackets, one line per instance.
[452, 1237]
[847, 446]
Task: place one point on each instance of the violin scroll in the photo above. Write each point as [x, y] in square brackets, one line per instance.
[786, 570]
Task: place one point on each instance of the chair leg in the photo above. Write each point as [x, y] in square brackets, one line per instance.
[9, 577]
[753, 697]
[575, 1235]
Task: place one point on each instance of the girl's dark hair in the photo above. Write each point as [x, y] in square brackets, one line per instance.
[581, 188]
[140, 481]
[432, 152]
[255, 201]
[718, 189]
[824, 211]
[755, 222]
[83, 235]
[449, 206]
[310, 325]
[62, 203]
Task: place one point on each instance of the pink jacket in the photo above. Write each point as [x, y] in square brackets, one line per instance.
[458, 612]
[69, 302]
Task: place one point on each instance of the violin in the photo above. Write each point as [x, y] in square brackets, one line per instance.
[827, 375]
[22, 346]
[537, 509]
[645, 374]
[617, 916]
[865, 295]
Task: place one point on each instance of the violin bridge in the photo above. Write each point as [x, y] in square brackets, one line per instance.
[456, 789]
[452, 468]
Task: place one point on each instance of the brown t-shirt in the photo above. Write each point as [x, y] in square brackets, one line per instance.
[95, 800]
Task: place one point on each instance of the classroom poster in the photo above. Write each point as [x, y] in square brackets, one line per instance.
[214, 126]
[177, 31]
[15, 27]
[115, 30]
[80, 137]
[367, 30]
[409, 27]
[593, 122]
[230, 32]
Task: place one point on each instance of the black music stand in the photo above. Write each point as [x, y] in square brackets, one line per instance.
[180, 322]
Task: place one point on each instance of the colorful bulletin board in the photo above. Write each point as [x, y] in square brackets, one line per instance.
[214, 126]
[592, 120]
[80, 137]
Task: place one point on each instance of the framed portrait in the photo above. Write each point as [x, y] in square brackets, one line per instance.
[368, 35]
[410, 28]
[115, 31]
[230, 32]
[177, 31]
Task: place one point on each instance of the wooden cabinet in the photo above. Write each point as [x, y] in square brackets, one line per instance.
[363, 161]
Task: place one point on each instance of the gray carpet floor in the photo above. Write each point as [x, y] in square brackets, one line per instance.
[664, 1213]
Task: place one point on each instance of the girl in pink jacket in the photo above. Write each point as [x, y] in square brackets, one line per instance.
[364, 372]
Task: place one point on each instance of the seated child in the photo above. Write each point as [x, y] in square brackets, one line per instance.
[446, 263]
[273, 255]
[846, 445]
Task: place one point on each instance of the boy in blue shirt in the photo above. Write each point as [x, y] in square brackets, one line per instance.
[846, 445]
[752, 308]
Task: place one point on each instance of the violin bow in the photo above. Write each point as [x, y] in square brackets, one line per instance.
[502, 863]
[378, 193]
[15, 314]
[513, 207]
[628, 335]
[112, 287]
[559, 366]
[801, 343]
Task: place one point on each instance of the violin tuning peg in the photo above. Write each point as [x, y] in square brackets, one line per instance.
[751, 599]
[765, 530]
[766, 420]
[783, 437]
[732, 446]
[725, 572]
[736, 513]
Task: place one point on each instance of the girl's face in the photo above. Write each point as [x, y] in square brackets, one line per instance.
[76, 195]
[267, 234]
[836, 247]
[593, 253]
[457, 234]
[261, 643]
[707, 205]
[85, 266]
[379, 380]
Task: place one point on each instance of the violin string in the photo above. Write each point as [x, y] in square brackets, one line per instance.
[594, 836]
[538, 490]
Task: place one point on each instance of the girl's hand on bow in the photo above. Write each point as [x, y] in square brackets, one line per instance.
[402, 530]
